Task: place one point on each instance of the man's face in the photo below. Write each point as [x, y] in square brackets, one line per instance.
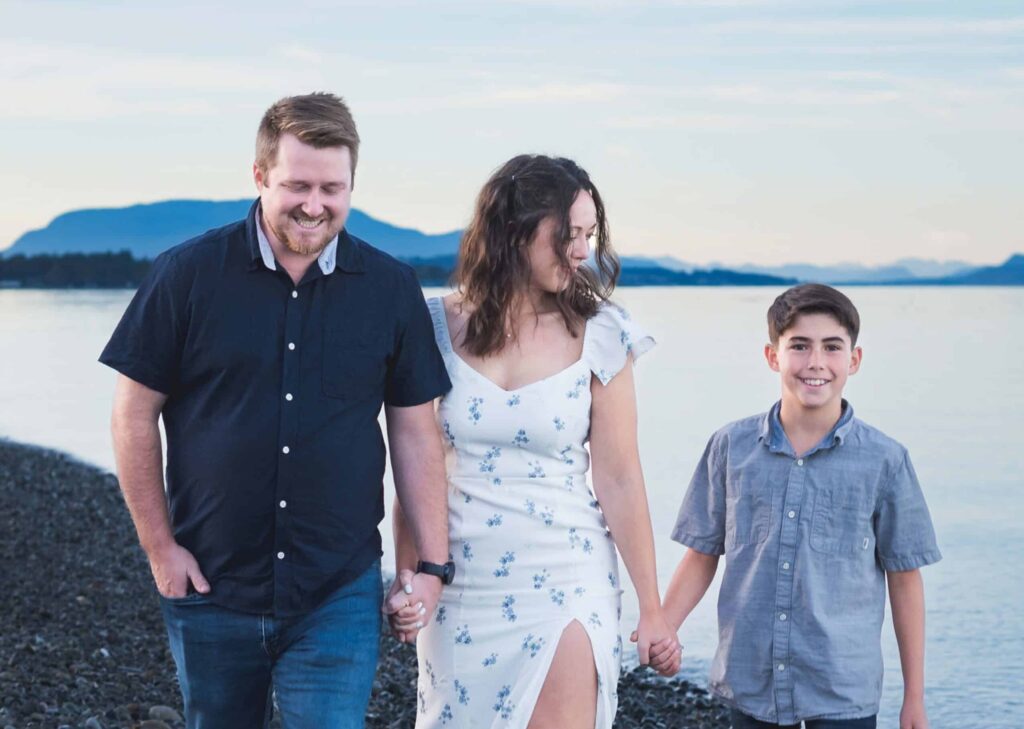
[814, 358]
[305, 195]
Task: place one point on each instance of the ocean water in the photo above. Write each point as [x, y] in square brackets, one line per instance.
[942, 373]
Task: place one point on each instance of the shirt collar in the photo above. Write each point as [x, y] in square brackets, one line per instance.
[774, 436]
[326, 260]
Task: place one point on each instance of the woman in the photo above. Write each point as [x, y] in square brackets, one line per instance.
[528, 632]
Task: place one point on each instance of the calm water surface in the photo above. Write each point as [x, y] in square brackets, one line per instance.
[942, 373]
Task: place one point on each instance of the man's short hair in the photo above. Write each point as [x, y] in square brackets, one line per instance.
[812, 298]
[318, 119]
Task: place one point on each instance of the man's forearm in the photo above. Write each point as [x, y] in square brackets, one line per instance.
[139, 460]
[405, 546]
[690, 581]
[906, 595]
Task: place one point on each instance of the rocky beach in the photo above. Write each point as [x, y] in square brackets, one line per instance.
[82, 643]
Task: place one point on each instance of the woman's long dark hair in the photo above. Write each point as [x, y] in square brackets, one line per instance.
[493, 269]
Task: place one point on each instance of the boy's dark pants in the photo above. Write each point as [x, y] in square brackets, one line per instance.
[742, 721]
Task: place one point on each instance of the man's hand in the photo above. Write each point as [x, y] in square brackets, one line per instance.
[656, 644]
[173, 568]
[410, 603]
[913, 716]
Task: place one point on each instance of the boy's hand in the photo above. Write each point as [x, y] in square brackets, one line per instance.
[913, 716]
[657, 645]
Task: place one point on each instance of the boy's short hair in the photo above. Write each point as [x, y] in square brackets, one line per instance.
[812, 298]
[318, 119]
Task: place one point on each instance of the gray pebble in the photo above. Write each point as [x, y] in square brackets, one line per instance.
[165, 713]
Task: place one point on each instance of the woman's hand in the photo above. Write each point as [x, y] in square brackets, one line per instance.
[657, 644]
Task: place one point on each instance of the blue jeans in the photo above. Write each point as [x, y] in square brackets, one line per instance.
[742, 721]
[320, 666]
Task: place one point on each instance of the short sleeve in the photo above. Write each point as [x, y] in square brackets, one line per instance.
[146, 346]
[904, 534]
[417, 373]
[700, 524]
[612, 335]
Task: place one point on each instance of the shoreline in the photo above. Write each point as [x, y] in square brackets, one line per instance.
[82, 643]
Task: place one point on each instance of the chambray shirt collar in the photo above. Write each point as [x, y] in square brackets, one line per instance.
[774, 436]
[342, 252]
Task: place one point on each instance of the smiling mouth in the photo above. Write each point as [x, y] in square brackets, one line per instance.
[307, 223]
[814, 382]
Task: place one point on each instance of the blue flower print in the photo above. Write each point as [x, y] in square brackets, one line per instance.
[540, 579]
[489, 660]
[513, 401]
[557, 596]
[577, 390]
[463, 693]
[487, 465]
[564, 453]
[422, 702]
[594, 620]
[503, 563]
[442, 615]
[467, 551]
[574, 538]
[618, 646]
[508, 608]
[531, 507]
[536, 470]
[474, 409]
[502, 706]
[431, 675]
[611, 580]
[587, 546]
[570, 483]
[559, 423]
[462, 636]
[624, 340]
[533, 645]
[496, 481]
[448, 434]
[494, 521]
[579, 591]
[547, 516]
[446, 714]
[520, 439]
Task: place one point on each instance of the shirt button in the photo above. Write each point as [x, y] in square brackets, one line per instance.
[283, 503]
[295, 294]
[800, 462]
[288, 397]
[286, 450]
[792, 514]
[785, 565]
[280, 555]
[782, 617]
[291, 345]
[782, 666]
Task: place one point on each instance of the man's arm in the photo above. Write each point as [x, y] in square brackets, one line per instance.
[906, 595]
[417, 462]
[136, 434]
[690, 581]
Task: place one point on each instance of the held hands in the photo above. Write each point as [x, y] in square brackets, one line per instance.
[173, 569]
[657, 644]
[410, 603]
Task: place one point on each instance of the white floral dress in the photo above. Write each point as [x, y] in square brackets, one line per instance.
[530, 544]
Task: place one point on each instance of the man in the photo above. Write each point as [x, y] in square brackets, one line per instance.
[269, 346]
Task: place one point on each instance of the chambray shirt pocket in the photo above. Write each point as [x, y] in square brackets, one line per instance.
[841, 522]
[355, 362]
[748, 509]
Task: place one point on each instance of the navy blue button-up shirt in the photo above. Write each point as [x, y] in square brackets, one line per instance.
[275, 458]
[807, 542]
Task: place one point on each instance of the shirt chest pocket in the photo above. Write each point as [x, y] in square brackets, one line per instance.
[842, 521]
[748, 511]
[355, 362]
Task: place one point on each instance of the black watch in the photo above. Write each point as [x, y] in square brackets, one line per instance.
[445, 571]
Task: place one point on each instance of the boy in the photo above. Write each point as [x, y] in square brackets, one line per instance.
[814, 511]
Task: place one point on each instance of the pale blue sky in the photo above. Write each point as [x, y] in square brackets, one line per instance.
[717, 130]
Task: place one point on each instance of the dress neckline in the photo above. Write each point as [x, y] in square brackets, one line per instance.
[445, 334]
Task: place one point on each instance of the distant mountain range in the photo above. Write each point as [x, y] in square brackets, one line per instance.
[146, 230]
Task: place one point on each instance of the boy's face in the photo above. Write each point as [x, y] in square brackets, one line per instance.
[814, 357]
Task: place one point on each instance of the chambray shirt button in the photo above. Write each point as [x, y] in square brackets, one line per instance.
[286, 450]
[288, 397]
[782, 617]
[800, 462]
[782, 666]
[283, 503]
[785, 565]
[291, 345]
[792, 514]
[280, 555]
[295, 294]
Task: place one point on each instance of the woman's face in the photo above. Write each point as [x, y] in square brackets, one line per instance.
[547, 272]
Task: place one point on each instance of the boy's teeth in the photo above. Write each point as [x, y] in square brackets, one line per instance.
[815, 382]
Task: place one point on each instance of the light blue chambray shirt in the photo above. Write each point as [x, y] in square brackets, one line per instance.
[807, 543]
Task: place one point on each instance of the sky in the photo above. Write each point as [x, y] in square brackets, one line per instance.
[732, 131]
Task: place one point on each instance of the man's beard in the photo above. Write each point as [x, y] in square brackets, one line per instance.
[299, 247]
